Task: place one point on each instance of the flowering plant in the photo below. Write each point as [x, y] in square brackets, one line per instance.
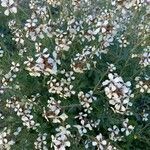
[74, 74]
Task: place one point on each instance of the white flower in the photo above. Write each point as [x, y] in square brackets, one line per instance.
[61, 140]
[86, 100]
[127, 128]
[118, 92]
[1, 52]
[10, 5]
[114, 133]
[111, 67]
[145, 116]
[99, 142]
[18, 131]
[40, 143]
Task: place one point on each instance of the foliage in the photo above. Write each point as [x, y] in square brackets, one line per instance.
[74, 74]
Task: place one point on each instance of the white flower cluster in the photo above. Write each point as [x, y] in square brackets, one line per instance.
[9, 77]
[61, 140]
[144, 57]
[43, 64]
[38, 10]
[126, 5]
[23, 111]
[108, 28]
[82, 61]
[33, 30]
[64, 87]
[123, 41]
[62, 41]
[103, 26]
[80, 4]
[74, 26]
[86, 100]
[102, 144]
[115, 132]
[54, 3]
[5, 141]
[18, 36]
[118, 92]
[53, 111]
[143, 85]
[85, 123]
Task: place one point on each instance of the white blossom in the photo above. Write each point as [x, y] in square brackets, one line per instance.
[10, 6]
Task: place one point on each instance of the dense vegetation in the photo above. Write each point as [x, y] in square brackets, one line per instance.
[74, 74]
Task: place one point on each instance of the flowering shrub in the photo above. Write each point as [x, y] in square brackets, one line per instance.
[74, 74]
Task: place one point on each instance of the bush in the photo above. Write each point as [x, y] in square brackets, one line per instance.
[74, 74]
